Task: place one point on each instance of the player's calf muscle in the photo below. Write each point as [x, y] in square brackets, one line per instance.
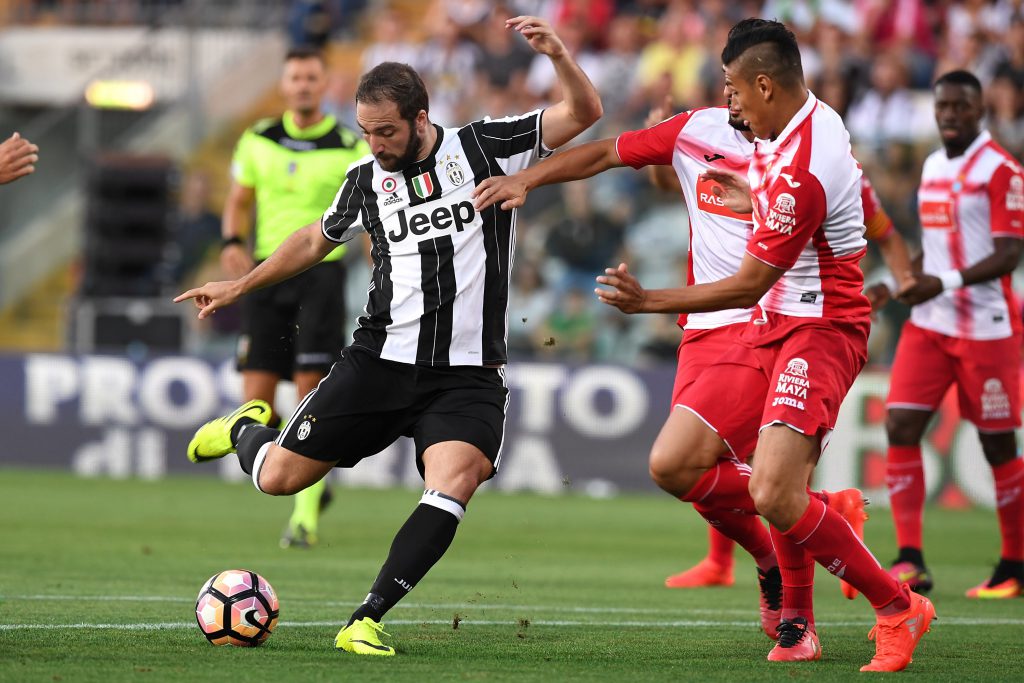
[283, 476]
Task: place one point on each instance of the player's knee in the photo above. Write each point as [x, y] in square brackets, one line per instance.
[999, 448]
[672, 476]
[775, 501]
[672, 466]
[901, 431]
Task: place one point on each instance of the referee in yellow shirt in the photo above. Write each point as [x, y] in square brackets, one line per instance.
[288, 169]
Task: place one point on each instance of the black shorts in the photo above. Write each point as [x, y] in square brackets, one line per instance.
[298, 324]
[365, 403]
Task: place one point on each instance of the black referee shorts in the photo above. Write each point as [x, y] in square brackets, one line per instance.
[365, 403]
[298, 324]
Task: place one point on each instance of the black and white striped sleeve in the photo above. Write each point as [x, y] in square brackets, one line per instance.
[515, 141]
[343, 220]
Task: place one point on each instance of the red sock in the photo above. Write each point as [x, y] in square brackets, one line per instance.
[831, 542]
[724, 487]
[747, 530]
[1010, 506]
[797, 569]
[720, 548]
[904, 475]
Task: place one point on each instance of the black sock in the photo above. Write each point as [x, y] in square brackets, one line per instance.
[249, 439]
[1007, 569]
[236, 429]
[419, 544]
[912, 555]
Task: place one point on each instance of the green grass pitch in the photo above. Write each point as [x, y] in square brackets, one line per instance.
[98, 580]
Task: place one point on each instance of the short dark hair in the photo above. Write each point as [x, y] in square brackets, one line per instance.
[775, 49]
[394, 82]
[959, 77]
[304, 52]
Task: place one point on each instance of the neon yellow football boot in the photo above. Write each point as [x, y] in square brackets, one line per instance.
[213, 439]
[361, 638]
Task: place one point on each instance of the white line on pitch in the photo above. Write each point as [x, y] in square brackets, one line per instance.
[682, 623]
[410, 605]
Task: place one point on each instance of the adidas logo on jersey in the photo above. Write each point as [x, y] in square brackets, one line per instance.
[456, 216]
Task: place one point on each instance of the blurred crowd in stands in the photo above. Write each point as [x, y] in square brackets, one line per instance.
[871, 60]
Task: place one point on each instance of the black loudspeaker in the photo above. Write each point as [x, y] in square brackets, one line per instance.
[129, 219]
[136, 326]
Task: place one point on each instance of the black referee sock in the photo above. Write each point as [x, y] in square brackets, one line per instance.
[911, 555]
[419, 544]
[248, 440]
[1007, 569]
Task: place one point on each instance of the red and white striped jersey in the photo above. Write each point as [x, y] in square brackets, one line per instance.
[964, 203]
[808, 217]
[693, 142]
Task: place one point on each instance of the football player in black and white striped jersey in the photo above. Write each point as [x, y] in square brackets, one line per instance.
[427, 357]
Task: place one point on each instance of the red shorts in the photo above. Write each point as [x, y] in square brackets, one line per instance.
[791, 371]
[986, 373]
[700, 349]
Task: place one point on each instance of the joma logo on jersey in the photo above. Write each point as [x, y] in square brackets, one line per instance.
[457, 215]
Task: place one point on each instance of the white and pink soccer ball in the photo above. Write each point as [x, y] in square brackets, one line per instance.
[237, 607]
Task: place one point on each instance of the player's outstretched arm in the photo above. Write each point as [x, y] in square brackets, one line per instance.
[303, 249]
[574, 164]
[581, 106]
[661, 176]
[17, 158]
[742, 290]
[1000, 262]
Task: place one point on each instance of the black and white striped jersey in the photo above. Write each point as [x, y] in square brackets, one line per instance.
[439, 294]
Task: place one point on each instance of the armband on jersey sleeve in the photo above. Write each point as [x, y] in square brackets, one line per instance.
[876, 220]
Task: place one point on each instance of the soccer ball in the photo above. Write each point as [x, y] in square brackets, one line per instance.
[237, 607]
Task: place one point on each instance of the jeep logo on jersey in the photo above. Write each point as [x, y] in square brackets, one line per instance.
[443, 217]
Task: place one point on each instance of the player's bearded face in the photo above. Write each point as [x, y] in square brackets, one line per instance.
[396, 162]
[391, 161]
